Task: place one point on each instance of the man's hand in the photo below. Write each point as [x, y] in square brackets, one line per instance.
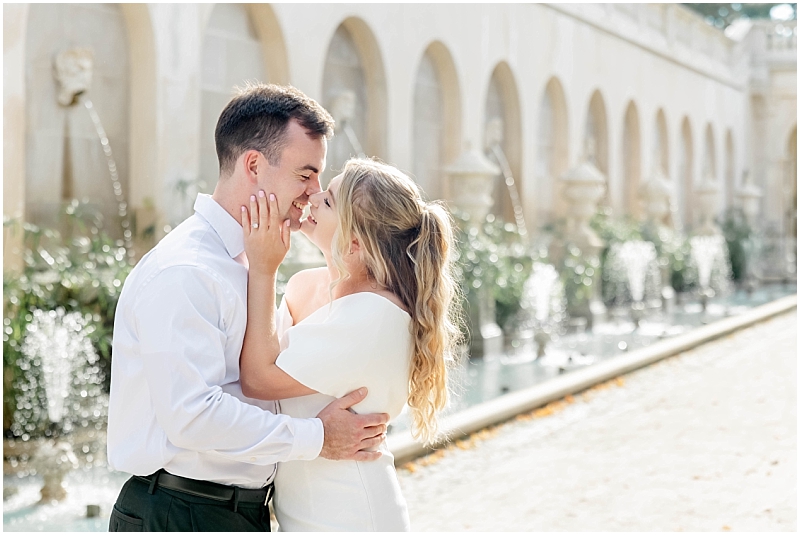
[348, 436]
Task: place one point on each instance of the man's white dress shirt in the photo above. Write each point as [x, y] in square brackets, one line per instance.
[176, 401]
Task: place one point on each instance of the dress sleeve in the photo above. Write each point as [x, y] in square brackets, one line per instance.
[354, 346]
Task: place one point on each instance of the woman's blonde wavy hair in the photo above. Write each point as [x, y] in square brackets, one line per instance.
[407, 246]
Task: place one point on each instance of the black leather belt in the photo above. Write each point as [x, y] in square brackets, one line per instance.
[207, 489]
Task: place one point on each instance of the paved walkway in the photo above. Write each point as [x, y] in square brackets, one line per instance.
[704, 441]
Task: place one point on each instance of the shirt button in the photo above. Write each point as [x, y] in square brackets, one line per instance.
[253, 459]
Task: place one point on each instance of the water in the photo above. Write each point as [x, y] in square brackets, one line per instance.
[544, 293]
[708, 253]
[632, 274]
[61, 381]
[479, 380]
[127, 234]
[636, 257]
[519, 217]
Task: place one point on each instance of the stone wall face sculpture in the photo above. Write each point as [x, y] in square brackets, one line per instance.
[74, 50]
[72, 70]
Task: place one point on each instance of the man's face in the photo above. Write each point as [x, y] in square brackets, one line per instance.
[297, 176]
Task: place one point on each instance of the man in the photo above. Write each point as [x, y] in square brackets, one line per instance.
[202, 454]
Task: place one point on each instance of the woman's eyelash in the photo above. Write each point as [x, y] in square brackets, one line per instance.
[327, 203]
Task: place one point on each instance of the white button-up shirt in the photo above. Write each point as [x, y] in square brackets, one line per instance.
[176, 401]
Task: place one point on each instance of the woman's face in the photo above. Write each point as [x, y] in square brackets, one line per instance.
[321, 223]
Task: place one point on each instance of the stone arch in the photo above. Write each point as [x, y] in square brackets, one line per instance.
[502, 102]
[552, 158]
[270, 35]
[709, 155]
[631, 161]
[596, 130]
[730, 170]
[354, 67]
[686, 173]
[64, 155]
[232, 55]
[436, 137]
[661, 144]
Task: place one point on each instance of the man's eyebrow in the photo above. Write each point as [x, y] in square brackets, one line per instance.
[308, 167]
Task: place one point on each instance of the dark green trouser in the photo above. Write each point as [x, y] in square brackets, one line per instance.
[168, 510]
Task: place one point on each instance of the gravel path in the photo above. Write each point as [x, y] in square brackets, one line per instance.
[704, 441]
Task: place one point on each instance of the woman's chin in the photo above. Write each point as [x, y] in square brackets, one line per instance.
[307, 228]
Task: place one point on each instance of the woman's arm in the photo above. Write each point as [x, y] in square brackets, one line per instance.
[266, 246]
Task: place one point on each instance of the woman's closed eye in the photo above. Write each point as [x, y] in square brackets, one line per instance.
[327, 203]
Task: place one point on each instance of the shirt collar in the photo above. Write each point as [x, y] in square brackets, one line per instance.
[228, 229]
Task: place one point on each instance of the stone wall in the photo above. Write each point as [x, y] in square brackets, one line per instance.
[560, 69]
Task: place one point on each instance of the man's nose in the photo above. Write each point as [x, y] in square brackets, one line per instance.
[313, 186]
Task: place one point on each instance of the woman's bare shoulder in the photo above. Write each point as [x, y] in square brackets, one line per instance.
[305, 284]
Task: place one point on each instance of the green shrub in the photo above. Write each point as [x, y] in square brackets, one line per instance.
[739, 236]
[496, 257]
[83, 274]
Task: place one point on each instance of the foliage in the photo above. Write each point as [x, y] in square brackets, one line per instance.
[83, 273]
[673, 249]
[740, 239]
[612, 231]
[497, 257]
[578, 275]
[723, 15]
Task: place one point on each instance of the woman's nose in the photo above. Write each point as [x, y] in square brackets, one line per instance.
[314, 199]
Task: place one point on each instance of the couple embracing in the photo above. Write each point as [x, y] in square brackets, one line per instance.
[219, 400]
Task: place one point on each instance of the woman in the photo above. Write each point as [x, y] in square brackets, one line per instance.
[380, 315]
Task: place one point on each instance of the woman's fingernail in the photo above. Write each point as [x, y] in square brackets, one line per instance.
[261, 193]
[272, 196]
[252, 197]
[288, 222]
[243, 208]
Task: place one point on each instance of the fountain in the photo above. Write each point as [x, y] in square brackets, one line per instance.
[494, 139]
[709, 254]
[543, 303]
[60, 395]
[72, 70]
[637, 260]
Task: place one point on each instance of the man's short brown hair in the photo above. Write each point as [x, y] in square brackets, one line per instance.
[257, 118]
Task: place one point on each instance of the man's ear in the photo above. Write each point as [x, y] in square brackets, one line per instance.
[251, 165]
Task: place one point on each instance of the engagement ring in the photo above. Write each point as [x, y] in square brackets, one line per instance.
[255, 225]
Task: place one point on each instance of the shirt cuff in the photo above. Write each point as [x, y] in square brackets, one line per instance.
[309, 436]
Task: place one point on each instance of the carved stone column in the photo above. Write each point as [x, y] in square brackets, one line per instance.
[706, 200]
[583, 187]
[656, 196]
[748, 196]
[472, 179]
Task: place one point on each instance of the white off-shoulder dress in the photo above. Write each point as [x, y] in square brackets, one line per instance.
[358, 340]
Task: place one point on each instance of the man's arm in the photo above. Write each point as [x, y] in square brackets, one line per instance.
[181, 330]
